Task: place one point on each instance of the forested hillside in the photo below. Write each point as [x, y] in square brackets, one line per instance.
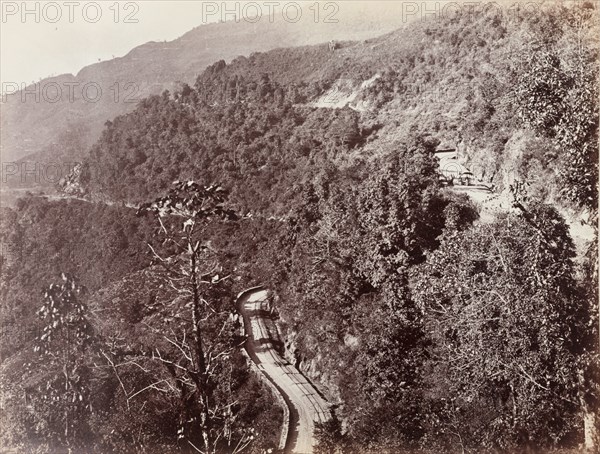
[35, 119]
[486, 84]
[429, 328]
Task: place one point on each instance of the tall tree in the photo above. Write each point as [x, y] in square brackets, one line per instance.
[197, 323]
[64, 344]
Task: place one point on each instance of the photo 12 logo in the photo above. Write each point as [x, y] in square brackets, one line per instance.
[69, 91]
[37, 172]
[432, 11]
[54, 12]
[48, 173]
[253, 12]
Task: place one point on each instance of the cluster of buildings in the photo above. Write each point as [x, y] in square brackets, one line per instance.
[452, 172]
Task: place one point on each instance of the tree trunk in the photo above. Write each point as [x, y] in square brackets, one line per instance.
[591, 442]
[201, 362]
[590, 430]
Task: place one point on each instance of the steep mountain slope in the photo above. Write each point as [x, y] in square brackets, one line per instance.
[263, 121]
[33, 126]
[429, 331]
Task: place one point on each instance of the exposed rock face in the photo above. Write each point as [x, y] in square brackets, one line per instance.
[311, 368]
[346, 93]
[71, 183]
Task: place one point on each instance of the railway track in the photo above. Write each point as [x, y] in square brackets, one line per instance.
[306, 405]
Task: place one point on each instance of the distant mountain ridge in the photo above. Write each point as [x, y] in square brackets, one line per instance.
[103, 90]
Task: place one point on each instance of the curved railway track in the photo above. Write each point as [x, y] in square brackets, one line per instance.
[306, 405]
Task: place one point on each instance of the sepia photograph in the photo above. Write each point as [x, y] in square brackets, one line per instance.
[299, 227]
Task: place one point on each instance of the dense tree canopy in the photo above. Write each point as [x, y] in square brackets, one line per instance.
[428, 328]
[501, 306]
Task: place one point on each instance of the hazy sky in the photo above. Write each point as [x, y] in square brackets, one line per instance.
[31, 50]
[43, 38]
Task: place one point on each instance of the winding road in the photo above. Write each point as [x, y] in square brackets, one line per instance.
[305, 404]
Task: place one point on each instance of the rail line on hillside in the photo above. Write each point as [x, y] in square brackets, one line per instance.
[306, 406]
